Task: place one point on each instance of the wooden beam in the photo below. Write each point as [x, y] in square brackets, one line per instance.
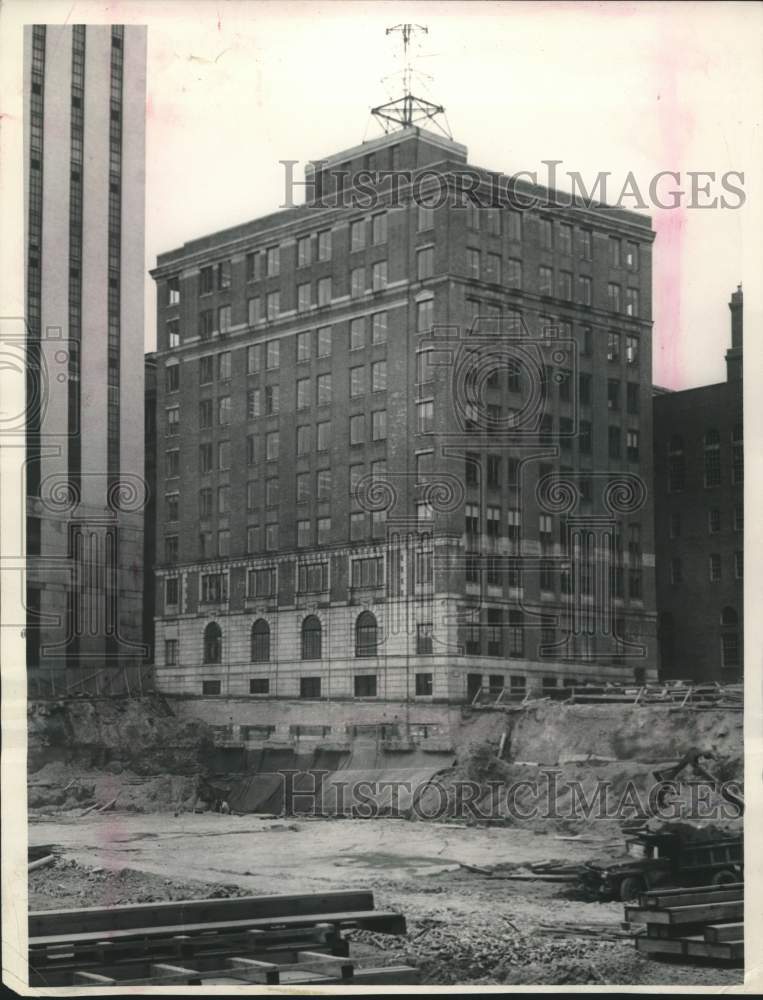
[269, 972]
[691, 897]
[174, 975]
[655, 893]
[717, 933]
[705, 912]
[327, 964]
[91, 979]
[45, 923]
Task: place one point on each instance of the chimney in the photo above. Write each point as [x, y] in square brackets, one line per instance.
[734, 354]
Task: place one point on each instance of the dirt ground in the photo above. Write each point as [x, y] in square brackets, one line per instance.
[463, 927]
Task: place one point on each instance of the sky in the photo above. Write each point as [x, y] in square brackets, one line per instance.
[236, 87]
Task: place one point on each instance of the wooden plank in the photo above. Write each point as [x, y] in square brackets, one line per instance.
[175, 975]
[379, 920]
[717, 933]
[329, 965]
[270, 973]
[46, 923]
[705, 912]
[729, 951]
[658, 946]
[690, 897]
[654, 893]
[92, 979]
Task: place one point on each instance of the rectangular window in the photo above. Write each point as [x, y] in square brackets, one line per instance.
[632, 443]
[224, 319]
[324, 389]
[223, 274]
[251, 496]
[273, 258]
[271, 537]
[613, 394]
[631, 302]
[565, 285]
[171, 652]
[365, 685]
[170, 548]
[223, 410]
[586, 295]
[378, 425]
[357, 429]
[323, 435]
[259, 685]
[173, 291]
[253, 359]
[303, 296]
[425, 421]
[323, 484]
[631, 256]
[614, 251]
[358, 234]
[585, 244]
[324, 530]
[378, 376]
[357, 525]
[304, 533]
[613, 296]
[272, 399]
[584, 438]
[223, 366]
[172, 506]
[324, 291]
[425, 218]
[172, 378]
[713, 521]
[173, 421]
[357, 380]
[271, 446]
[324, 341]
[545, 227]
[313, 577]
[172, 463]
[252, 266]
[210, 687]
[304, 346]
[205, 457]
[251, 449]
[565, 238]
[223, 455]
[206, 369]
[273, 354]
[271, 492]
[473, 263]
[357, 333]
[423, 685]
[424, 639]
[379, 228]
[303, 251]
[273, 304]
[303, 440]
[545, 281]
[714, 566]
[613, 347]
[303, 393]
[379, 328]
[324, 244]
[253, 404]
[379, 275]
[223, 543]
[309, 687]
[357, 281]
[206, 280]
[493, 269]
[632, 397]
[493, 222]
[261, 582]
[223, 499]
[514, 224]
[425, 263]
[424, 315]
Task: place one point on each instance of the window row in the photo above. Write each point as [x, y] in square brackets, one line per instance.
[714, 568]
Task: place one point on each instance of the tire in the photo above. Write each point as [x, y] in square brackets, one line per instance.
[725, 877]
[631, 887]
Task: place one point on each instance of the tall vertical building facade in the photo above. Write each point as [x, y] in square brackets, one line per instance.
[84, 107]
[404, 442]
[699, 524]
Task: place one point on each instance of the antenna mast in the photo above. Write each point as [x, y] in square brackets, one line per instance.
[407, 110]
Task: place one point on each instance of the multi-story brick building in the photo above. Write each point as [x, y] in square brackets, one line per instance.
[384, 430]
[699, 523]
[84, 119]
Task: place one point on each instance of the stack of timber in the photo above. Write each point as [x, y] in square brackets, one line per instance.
[254, 939]
[698, 923]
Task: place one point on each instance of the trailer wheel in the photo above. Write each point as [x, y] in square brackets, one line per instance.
[631, 887]
[725, 877]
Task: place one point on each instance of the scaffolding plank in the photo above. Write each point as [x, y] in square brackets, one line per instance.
[717, 933]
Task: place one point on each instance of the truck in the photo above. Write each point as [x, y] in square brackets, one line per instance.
[664, 860]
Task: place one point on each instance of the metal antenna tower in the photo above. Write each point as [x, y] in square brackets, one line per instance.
[408, 110]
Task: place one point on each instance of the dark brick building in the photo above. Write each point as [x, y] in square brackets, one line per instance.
[699, 523]
[402, 450]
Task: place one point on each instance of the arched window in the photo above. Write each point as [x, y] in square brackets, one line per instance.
[260, 641]
[365, 635]
[311, 638]
[729, 617]
[213, 643]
